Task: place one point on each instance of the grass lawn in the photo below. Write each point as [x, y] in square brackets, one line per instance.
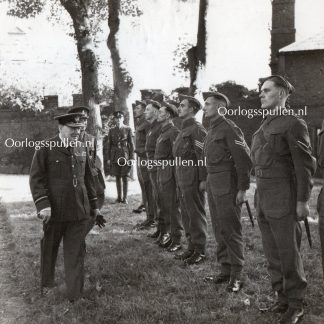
[131, 280]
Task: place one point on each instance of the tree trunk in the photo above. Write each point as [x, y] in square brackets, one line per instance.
[79, 10]
[123, 83]
[197, 54]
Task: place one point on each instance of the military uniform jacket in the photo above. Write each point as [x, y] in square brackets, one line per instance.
[63, 181]
[151, 138]
[189, 146]
[281, 149]
[226, 150]
[119, 144]
[141, 131]
[321, 150]
[165, 142]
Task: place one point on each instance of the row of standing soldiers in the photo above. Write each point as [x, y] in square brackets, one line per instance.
[178, 160]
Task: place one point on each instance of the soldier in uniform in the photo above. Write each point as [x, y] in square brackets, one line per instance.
[64, 192]
[169, 216]
[320, 199]
[281, 155]
[92, 146]
[228, 168]
[151, 114]
[142, 129]
[190, 179]
[119, 149]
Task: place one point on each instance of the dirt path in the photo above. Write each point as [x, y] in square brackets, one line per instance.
[12, 306]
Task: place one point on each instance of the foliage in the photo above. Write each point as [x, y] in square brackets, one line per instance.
[13, 98]
[180, 59]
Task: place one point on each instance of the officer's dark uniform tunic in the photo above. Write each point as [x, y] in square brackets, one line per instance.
[150, 145]
[189, 146]
[281, 155]
[142, 129]
[169, 217]
[120, 146]
[95, 165]
[62, 181]
[320, 200]
[228, 168]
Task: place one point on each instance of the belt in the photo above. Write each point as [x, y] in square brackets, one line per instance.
[273, 173]
[220, 167]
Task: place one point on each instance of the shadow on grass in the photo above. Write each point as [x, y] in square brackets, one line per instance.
[131, 280]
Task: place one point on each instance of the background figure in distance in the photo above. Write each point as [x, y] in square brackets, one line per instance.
[190, 178]
[228, 177]
[281, 156]
[119, 151]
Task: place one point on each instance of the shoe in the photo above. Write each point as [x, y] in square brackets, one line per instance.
[117, 201]
[195, 258]
[292, 315]
[154, 235]
[139, 209]
[166, 241]
[278, 308]
[174, 247]
[124, 201]
[234, 285]
[221, 278]
[185, 255]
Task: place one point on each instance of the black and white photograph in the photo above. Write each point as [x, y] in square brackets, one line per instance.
[161, 161]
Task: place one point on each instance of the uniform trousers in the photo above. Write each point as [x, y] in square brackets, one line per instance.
[73, 234]
[281, 238]
[192, 203]
[226, 221]
[169, 218]
[320, 209]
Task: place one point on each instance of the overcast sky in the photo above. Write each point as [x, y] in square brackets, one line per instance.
[238, 41]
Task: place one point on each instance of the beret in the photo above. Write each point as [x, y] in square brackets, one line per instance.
[191, 99]
[154, 103]
[171, 108]
[71, 119]
[140, 102]
[216, 95]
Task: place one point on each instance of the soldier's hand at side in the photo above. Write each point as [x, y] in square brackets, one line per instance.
[95, 213]
[302, 210]
[240, 197]
[202, 186]
[45, 215]
[108, 163]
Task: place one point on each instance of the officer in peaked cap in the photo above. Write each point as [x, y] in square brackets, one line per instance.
[228, 178]
[91, 145]
[119, 150]
[154, 130]
[189, 146]
[64, 193]
[169, 217]
[282, 156]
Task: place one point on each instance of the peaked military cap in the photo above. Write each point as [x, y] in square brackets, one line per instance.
[140, 102]
[216, 95]
[70, 119]
[118, 114]
[154, 103]
[85, 111]
[191, 99]
[171, 108]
